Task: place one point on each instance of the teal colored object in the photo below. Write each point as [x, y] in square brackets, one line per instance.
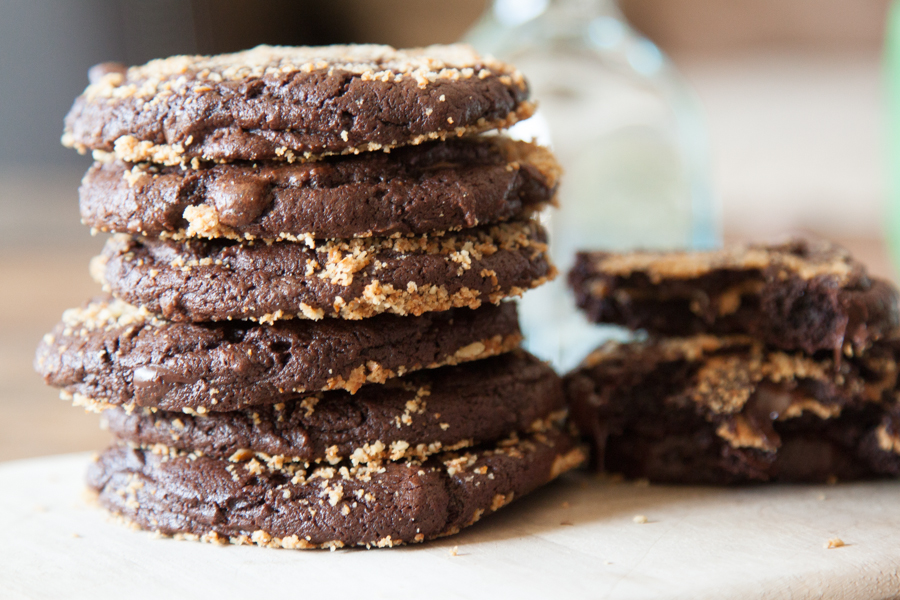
[892, 77]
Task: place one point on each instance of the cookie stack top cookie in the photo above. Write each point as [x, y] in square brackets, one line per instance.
[311, 253]
[763, 362]
[293, 103]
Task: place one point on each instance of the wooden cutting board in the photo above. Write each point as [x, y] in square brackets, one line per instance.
[577, 538]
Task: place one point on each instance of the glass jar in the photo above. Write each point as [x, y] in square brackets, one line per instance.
[628, 132]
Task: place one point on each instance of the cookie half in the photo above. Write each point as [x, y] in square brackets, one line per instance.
[411, 417]
[214, 280]
[441, 186]
[110, 352]
[324, 507]
[724, 410]
[292, 103]
[800, 295]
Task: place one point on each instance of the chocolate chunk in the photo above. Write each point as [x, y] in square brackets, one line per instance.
[411, 417]
[439, 186]
[726, 409]
[293, 506]
[801, 295]
[112, 353]
[294, 103]
[212, 280]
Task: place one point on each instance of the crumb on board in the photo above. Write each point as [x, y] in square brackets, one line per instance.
[454, 551]
[834, 543]
[639, 519]
[570, 523]
[565, 505]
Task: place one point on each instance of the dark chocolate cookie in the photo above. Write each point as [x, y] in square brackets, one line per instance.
[112, 353]
[411, 417]
[801, 295]
[293, 506]
[212, 280]
[292, 103]
[880, 447]
[439, 186]
[724, 410]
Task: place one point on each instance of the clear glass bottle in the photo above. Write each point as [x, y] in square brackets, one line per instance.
[626, 129]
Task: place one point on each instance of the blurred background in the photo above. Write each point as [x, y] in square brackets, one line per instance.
[790, 96]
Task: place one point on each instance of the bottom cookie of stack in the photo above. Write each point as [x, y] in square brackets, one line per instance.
[293, 506]
[417, 458]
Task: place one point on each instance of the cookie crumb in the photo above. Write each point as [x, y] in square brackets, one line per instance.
[639, 519]
[565, 505]
[834, 543]
[570, 523]
[454, 551]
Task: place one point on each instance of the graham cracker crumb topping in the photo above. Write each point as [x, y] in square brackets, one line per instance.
[804, 259]
[340, 262]
[737, 375]
[105, 316]
[191, 74]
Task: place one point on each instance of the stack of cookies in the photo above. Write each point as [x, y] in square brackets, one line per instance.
[305, 341]
[763, 363]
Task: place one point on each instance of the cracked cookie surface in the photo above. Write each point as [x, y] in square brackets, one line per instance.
[807, 295]
[708, 409]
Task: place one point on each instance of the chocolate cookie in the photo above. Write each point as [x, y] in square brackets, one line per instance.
[110, 352]
[439, 186]
[212, 280]
[881, 446]
[723, 410]
[800, 295]
[411, 417]
[293, 506]
[292, 103]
